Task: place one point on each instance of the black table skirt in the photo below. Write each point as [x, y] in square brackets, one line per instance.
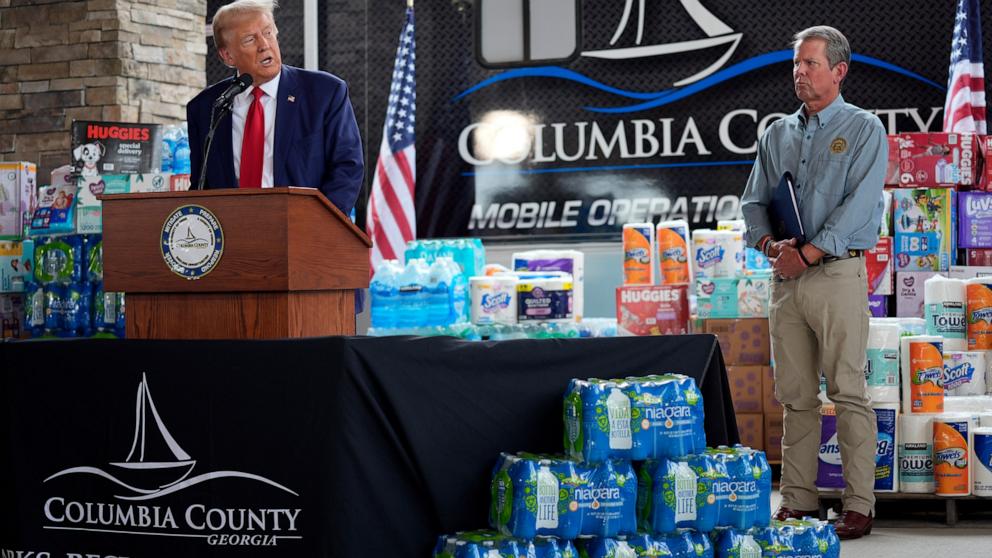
[329, 447]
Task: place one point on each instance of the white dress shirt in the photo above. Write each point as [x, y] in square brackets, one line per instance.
[239, 113]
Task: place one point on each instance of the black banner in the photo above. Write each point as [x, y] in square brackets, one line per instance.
[333, 447]
[651, 112]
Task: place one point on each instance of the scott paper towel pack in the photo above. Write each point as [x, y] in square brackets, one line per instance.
[964, 373]
[915, 452]
[944, 310]
[922, 359]
[882, 360]
[567, 261]
[717, 253]
[634, 418]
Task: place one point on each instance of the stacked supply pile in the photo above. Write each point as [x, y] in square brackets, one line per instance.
[653, 255]
[18, 191]
[637, 480]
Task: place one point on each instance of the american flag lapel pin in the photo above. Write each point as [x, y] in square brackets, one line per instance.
[291, 98]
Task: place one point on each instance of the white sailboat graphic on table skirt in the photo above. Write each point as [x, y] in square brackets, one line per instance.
[717, 33]
[156, 461]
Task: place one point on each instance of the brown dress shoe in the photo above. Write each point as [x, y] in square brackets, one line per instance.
[783, 513]
[853, 525]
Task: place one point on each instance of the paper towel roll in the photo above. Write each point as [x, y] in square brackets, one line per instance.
[717, 253]
[882, 361]
[674, 250]
[916, 453]
[964, 373]
[974, 404]
[638, 254]
[981, 458]
[886, 461]
[944, 311]
[953, 438]
[738, 225]
[978, 311]
[922, 362]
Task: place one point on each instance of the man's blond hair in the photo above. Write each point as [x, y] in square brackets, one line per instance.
[236, 9]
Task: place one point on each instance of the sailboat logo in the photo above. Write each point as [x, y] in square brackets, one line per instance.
[192, 241]
[156, 465]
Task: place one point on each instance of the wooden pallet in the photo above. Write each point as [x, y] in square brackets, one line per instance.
[951, 502]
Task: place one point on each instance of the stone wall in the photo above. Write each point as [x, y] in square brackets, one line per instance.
[117, 60]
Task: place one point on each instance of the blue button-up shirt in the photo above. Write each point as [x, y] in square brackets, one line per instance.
[838, 159]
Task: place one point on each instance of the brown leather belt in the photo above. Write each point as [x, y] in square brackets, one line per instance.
[831, 258]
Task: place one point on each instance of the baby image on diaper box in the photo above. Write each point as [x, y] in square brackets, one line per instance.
[925, 235]
[932, 159]
[744, 296]
[653, 309]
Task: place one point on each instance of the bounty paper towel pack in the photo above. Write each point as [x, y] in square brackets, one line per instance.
[944, 310]
[915, 452]
[638, 253]
[952, 440]
[981, 457]
[978, 313]
[922, 360]
[964, 373]
[717, 253]
[567, 261]
[925, 238]
[673, 252]
[882, 361]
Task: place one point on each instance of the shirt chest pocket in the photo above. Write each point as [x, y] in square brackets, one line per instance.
[830, 176]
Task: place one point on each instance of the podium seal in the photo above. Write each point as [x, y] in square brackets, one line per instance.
[192, 241]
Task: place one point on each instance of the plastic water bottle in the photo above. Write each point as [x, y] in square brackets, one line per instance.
[412, 308]
[439, 293]
[459, 293]
[181, 162]
[385, 294]
[166, 156]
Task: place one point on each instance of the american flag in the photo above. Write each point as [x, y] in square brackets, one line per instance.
[392, 219]
[964, 109]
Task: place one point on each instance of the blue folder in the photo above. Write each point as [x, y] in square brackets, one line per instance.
[783, 212]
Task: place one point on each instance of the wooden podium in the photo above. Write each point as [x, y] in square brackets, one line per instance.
[289, 263]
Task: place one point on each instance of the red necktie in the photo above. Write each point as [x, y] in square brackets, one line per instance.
[253, 144]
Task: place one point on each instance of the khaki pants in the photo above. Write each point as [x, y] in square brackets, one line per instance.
[820, 322]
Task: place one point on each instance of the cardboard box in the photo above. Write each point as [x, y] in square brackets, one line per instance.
[151, 182]
[179, 182]
[742, 341]
[90, 209]
[12, 316]
[978, 257]
[773, 437]
[116, 148]
[932, 159]
[969, 271]
[16, 265]
[745, 387]
[751, 428]
[653, 309]
[974, 220]
[744, 296]
[18, 197]
[769, 405]
[985, 182]
[925, 236]
[909, 293]
[878, 305]
[878, 262]
[56, 211]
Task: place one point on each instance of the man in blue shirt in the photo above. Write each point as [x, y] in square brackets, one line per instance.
[819, 308]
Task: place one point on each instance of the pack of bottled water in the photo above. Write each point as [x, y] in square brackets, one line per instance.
[175, 149]
[489, 544]
[679, 493]
[534, 495]
[807, 538]
[635, 418]
[745, 496]
[418, 295]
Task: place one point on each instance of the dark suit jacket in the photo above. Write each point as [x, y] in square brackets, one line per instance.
[317, 143]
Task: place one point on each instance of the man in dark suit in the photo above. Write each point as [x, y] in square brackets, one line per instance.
[291, 127]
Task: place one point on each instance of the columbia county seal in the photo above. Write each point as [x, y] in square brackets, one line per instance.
[192, 241]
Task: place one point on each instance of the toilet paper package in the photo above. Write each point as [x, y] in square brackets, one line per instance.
[717, 253]
[910, 293]
[964, 374]
[925, 237]
[753, 259]
[494, 300]
[944, 310]
[922, 363]
[978, 313]
[882, 361]
[915, 449]
[981, 457]
[565, 261]
[674, 250]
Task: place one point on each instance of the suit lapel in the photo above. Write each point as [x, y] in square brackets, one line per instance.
[223, 152]
[286, 121]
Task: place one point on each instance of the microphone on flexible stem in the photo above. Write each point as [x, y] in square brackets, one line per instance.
[223, 103]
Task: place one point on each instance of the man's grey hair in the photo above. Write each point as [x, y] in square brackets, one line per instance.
[838, 49]
[236, 9]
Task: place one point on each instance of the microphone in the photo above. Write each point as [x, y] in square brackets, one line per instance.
[241, 83]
